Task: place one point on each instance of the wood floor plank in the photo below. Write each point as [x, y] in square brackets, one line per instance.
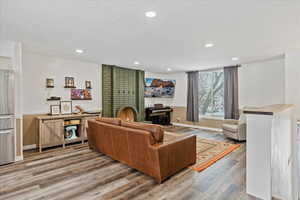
[161, 190]
[105, 177]
[73, 183]
[99, 191]
[17, 194]
[234, 175]
[51, 177]
[30, 172]
[36, 169]
[134, 187]
[77, 172]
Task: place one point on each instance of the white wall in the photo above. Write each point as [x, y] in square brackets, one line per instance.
[36, 68]
[292, 76]
[6, 48]
[262, 83]
[180, 96]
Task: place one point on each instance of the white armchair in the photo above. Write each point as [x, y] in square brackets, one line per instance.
[235, 129]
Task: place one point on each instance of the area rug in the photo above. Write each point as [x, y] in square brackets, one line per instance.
[208, 151]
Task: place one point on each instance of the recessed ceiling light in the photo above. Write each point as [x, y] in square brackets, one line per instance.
[150, 14]
[79, 51]
[169, 69]
[136, 62]
[234, 58]
[208, 45]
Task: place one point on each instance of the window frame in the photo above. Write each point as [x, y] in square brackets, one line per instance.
[212, 115]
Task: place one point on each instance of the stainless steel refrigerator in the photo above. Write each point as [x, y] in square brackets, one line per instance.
[7, 117]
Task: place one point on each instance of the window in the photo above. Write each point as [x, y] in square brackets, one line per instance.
[211, 93]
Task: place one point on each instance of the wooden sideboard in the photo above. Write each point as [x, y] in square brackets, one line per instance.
[51, 129]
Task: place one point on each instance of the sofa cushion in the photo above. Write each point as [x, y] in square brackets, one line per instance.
[114, 121]
[156, 130]
[230, 127]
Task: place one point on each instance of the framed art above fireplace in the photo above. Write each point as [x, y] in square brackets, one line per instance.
[160, 88]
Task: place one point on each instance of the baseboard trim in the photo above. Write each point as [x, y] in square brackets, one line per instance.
[29, 147]
[19, 158]
[199, 127]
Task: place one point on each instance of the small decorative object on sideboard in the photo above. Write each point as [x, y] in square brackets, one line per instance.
[53, 98]
[69, 82]
[54, 110]
[66, 107]
[88, 84]
[50, 83]
[70, 133]
[79, 109]
[81, 94]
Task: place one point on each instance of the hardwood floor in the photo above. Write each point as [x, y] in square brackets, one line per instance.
[79, 173]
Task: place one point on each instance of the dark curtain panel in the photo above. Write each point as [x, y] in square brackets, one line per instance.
[192, 97]
[231, 104]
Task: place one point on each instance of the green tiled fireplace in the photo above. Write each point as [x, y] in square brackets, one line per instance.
[122, 87]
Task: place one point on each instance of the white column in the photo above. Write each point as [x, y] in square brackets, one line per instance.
[272, 155]
[258, 179]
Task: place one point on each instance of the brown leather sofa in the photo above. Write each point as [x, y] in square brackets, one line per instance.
[141, 146]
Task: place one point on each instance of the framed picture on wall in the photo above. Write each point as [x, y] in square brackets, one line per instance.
[50, 83]
[161, 88]
[88, 84]
[69, 82]
[81, 94]
[66, 107]
[54, 110]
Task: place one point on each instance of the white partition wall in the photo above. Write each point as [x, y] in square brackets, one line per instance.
[281, 155]
[258, 165]
[272, 153]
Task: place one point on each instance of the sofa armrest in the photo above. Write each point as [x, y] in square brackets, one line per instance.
[175, 155]
[242, 132]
